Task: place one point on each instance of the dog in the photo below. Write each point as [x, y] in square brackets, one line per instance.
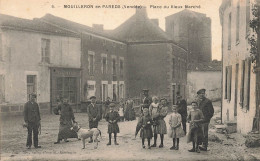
[83, 134]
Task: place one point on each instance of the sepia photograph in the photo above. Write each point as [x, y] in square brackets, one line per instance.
[130, 80]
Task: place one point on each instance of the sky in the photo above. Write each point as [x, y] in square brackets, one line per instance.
[113, 17]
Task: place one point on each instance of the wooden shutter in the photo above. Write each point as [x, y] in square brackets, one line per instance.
[226, 82]
[242, 83]
[229, 83]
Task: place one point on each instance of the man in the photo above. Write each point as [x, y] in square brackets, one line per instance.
[66, 119]
[147, 100]
[32, 121]
[182, 110]
[205, 105]
[106, 106]
[93, 115]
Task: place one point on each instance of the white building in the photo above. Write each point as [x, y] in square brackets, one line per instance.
[239, 80]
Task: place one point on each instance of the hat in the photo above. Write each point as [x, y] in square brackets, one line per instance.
[112, 105]
[201, 90]
[93, 97]
[145, 90]
[33, 95]
[163, 99]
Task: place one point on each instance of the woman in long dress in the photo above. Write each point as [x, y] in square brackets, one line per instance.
[66, 120]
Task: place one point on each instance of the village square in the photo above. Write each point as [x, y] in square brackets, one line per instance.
[69, 91]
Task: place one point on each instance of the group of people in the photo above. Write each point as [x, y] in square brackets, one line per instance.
[151, 122]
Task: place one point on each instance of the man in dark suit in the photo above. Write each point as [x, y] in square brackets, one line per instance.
[147, 100]
[93, 114]
[205, 105]
[182, 110]
[32, 120]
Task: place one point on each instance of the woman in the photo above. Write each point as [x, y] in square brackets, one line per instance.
[66, 119]
[130, 112]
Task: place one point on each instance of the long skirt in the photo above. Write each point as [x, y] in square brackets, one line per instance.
[113, 128]
[129, 114]
[160, 128]
[195, 134]
[146, 133]
[65, 131]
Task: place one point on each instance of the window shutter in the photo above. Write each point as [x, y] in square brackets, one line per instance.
[226, 82]
[230, 82]
[242, 83]
[246, 84]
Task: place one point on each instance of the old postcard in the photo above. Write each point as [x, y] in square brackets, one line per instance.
[129, 80]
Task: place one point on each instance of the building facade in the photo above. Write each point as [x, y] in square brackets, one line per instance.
[36, 57]
[239, 80]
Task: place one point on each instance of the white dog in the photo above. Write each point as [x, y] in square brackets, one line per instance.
[83, 134]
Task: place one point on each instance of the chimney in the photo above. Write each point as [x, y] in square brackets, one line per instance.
[97, 27]
[155, 21]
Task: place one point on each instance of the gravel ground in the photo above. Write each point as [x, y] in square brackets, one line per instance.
[13, 139]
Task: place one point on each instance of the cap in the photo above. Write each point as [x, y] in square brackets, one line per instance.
[33, 95]
[112, 105]
[201, 90]
[93, 97]
[163, 99]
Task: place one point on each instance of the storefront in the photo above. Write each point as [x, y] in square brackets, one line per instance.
[65, 83]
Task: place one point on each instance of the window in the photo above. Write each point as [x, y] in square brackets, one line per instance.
[114, 92]
[67, 88]
[247, 17]
[2, 88]
[121, 91]
[245, 84]
[229, 32]
[31, 85]
[114, 66]
[238, 21]
[104, 65]
[91, 62]
[173, 68]
[45, 49]
[121, 67]
[228, 83]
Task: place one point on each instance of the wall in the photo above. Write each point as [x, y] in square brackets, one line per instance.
[239, 51]
[210, 80]
[22, 57]
[101, 46]
[148, 67]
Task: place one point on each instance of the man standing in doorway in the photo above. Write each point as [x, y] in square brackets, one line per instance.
[182, 110]
[32, 120]
[205, 105]
[147, 100]
[93, 115]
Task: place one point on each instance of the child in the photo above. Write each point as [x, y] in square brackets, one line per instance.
[145, 124]
[175, 128]
[121, 110]
[195, 117]
[112, 117]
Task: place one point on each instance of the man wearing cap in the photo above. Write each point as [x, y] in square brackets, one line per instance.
[205, 105]
[147, 100]
[32, 120]
[93, 114]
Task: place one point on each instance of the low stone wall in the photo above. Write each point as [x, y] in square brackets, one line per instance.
[17, 109]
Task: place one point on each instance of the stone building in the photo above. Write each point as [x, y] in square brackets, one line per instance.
[191, 30]
[35, 57]
[239, 81]
[154, 61]
[102, 60]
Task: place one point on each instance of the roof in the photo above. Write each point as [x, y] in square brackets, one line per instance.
[15, 23]
[206, 66]
[188, 13]
[73, 26]
[139, 28]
